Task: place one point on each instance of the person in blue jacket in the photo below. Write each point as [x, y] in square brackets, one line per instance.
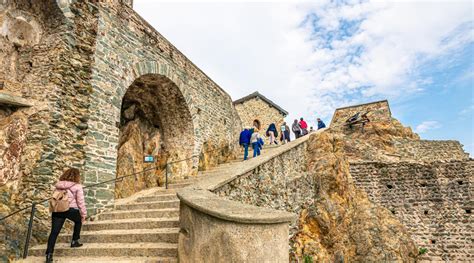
[244, 141]
[321, 124]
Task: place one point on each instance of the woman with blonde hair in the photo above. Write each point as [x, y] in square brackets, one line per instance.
[69, 182]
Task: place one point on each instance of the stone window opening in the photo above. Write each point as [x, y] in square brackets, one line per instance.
[433, 241]
[423, 184]
[425, 212]
[460, 182]
[389, 186]
[393, 212]
[468, 211]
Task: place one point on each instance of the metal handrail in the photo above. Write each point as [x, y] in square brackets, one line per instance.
[33, 204]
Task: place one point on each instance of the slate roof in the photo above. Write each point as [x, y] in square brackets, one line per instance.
[256, 94]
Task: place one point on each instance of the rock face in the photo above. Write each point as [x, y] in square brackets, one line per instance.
[342, 224]
[13, 130]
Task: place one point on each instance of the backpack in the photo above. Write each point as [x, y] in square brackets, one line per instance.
[59, 201]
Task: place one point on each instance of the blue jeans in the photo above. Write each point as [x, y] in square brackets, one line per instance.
[246, 150]
[256, 149]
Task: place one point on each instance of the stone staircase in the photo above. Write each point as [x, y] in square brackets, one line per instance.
[144, 228]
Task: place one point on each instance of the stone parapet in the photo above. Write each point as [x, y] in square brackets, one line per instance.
[430, 151]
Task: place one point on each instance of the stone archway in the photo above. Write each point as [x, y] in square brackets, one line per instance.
[155, 121]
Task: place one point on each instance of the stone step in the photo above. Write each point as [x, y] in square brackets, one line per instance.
[148, 205]
[178, 185]
[166, 235]
[151, 213]
[102, 260]
[111, 250]
[158, 197]
[132, 223]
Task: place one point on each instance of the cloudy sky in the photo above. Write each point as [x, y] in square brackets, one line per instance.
[311, 58]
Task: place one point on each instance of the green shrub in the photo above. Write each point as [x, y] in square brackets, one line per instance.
[308, 259]
[422, 250]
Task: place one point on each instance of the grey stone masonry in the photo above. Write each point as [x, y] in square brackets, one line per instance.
[435, 202]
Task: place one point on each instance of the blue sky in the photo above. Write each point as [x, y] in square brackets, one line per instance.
[311, 58]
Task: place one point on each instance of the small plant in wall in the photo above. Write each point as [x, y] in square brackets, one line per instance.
[422, 250]
[307, 259]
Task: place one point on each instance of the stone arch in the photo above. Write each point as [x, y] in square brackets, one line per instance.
[155, 120]
[163, 69]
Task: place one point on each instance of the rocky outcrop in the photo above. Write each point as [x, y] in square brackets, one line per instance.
[138, 139]
[13, 129]
[342, 225]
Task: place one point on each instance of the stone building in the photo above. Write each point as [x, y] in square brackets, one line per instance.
[256, 110]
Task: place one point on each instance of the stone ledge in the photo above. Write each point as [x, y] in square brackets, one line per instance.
[12, 100]
[209, 203]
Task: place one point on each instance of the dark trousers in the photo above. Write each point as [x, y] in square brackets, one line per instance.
[246, 150]
[57, 224]
[297, 134]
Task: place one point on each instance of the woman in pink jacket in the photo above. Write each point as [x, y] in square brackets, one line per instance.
[69, 181]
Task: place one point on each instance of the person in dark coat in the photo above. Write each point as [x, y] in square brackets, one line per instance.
[272, 133]
[321, 124]
[285, 133]
[296, 129]
[244, 141]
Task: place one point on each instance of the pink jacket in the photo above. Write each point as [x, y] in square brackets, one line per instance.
[75, 194]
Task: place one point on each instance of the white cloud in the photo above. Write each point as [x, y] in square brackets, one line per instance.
[467, 111]
[268, 47]
[426, 126]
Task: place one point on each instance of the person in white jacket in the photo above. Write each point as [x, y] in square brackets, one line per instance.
[255, 142]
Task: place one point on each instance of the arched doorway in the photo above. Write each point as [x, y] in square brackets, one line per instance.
[154, 121]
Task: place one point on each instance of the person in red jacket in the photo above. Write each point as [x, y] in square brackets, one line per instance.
[303, 126]
[71, 182]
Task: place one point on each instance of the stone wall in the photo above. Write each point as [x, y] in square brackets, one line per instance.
[129, 49]
[377, 112]
[434, 200]
[257, 109]
[430, 151]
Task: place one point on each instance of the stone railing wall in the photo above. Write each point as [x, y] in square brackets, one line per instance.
[281, 183]
[219, 230]
[433, 200]
[430, 151]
